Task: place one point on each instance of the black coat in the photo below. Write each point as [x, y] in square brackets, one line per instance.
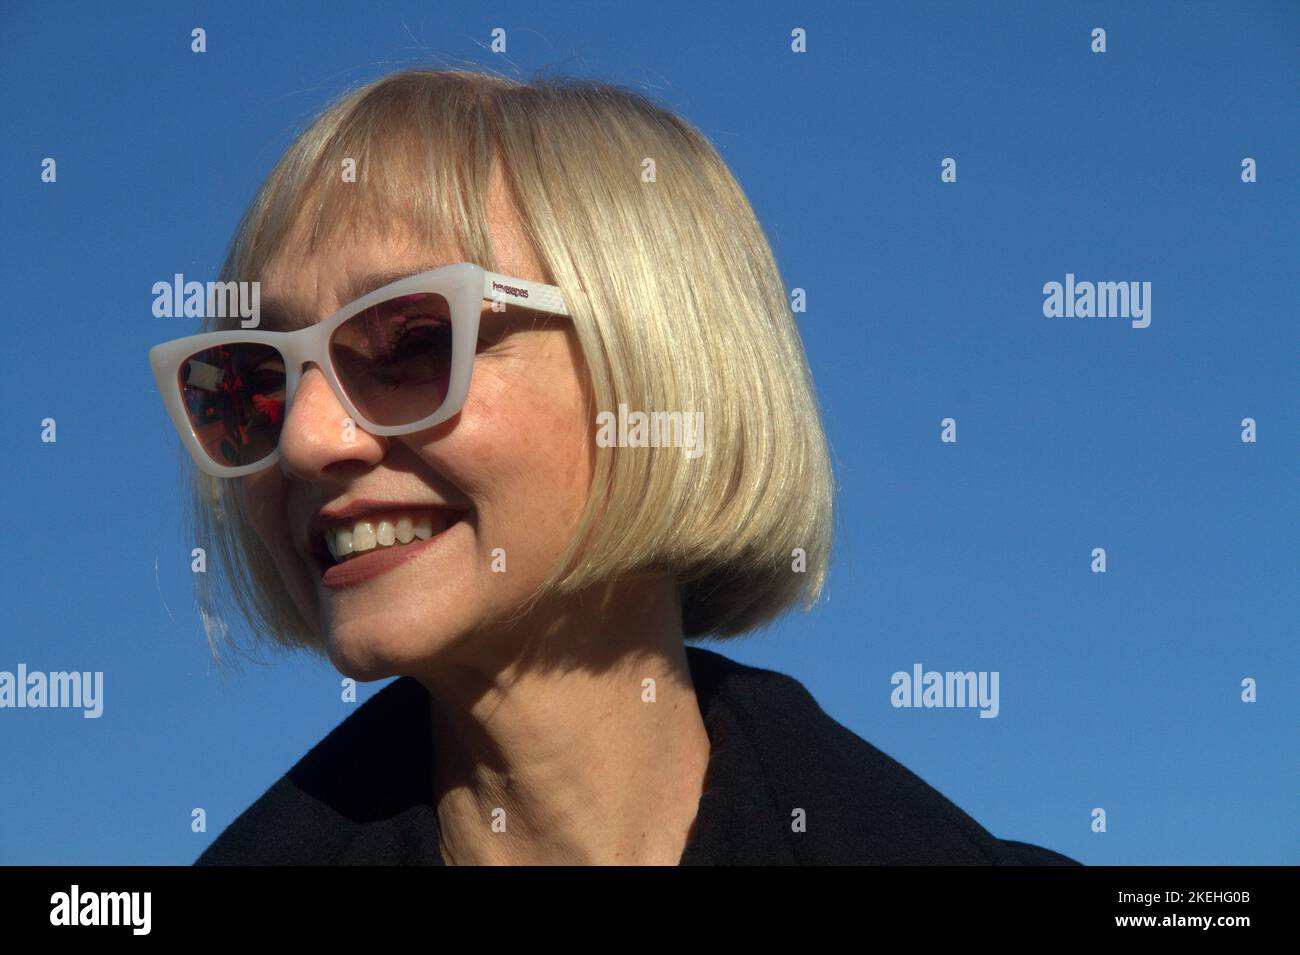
[363, 795]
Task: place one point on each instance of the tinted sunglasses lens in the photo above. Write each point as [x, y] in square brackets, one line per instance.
[234, 396]
[394, 359]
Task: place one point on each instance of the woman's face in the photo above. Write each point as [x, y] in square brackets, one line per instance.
[516, 463]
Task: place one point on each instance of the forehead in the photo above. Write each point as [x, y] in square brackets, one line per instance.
[302, 286]
[305, 281]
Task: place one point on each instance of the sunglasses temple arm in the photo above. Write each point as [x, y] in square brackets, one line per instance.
[534, 295]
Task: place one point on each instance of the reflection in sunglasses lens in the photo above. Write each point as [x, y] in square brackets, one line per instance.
[234, 397]
[394, 359]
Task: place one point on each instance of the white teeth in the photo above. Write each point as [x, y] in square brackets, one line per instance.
[405, 530]
[363, 536]
[369, 535]
[339, 543]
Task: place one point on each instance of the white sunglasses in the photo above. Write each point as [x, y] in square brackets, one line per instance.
[398, 359]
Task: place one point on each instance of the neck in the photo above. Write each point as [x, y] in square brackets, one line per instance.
[580, 743]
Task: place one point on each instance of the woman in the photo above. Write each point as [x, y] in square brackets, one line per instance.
[637, 460]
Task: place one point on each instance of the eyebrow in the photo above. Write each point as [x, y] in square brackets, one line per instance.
[284, 315]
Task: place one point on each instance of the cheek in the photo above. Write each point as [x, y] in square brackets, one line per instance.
[534, 457]
[263, 496]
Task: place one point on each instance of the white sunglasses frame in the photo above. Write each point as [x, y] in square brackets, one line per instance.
[465, 286]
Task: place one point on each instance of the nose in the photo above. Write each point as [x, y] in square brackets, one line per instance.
[318, 434]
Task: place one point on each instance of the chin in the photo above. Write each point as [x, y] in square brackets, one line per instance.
[378, 648]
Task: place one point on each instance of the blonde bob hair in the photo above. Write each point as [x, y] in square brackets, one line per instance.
[675, 300]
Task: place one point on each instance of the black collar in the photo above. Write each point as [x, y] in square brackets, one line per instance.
[786, 784]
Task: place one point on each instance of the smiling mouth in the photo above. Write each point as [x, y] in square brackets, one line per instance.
[345, 541]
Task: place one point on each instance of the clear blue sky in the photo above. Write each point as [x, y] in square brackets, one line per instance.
[1119, 691]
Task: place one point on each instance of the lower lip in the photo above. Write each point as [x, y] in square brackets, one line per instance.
[369, 566]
